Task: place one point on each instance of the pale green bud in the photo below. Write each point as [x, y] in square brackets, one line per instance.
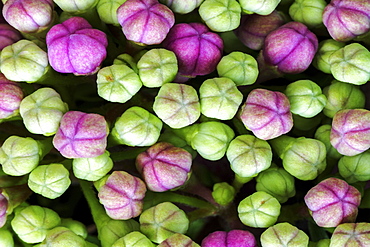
[92, 169]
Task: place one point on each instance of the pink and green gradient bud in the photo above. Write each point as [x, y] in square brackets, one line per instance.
[284, 234]
[3, 208]
[233, 238]
[8, 35]
[177, 240]
[351, 234]
[11, 96]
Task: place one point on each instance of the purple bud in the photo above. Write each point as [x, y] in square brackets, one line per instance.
[81, 135]
[11, 96]
[164, 166]
[234, 238]
[291, 48]
[29, 16]
[75, 47]
[350, 133]
[267, 114]
[145, 21]
[197, 49]
[3, 208]
[347, 19]
[8, 35]
[122, 195]
[332, 202]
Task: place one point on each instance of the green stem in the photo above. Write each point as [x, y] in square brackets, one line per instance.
[199, 214]
[127, 154]
[239, 181]
[45, 146]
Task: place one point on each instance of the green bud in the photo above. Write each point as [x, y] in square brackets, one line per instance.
[306, 98]
[249, 155]
[75, 226]
[284, 234]
[261, 7]
[133, 239]
[6, 238]
[62, 237]
[76, 6]
[162, 221]
[351, 234]
[107, 10]
[182, 6]
[240, 67]
[118, 83]
[92, 169]
[50, 181]
[223, 193]
[113, 230]
[323, 243]
[212, 139]
[351, 64]
[308, 12]
[221, 15]
[259, 210]
[323, 134]
[126, 59]
[32, 223]
[355, 168]
[157, 67]
[137, 127]
[326, 48]
[219, 98]
[178, 240]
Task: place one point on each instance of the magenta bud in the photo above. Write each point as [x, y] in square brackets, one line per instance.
[332, 202]
[145, 21]
[291, 48]
[75, 47]
[81, 135]
[8, 35]
[197, 49]
[11, 96]
[233, 238]
[164, 166]
[267, 114]
[3, 208]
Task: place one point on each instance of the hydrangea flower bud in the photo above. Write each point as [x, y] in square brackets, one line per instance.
[11, 96]
[162, 221]
[267, 114]
[75, 226]
[291, 48]
[182, 6]
[341, 96]
[23, 61]
[75, 47]
[133, 239]
[3, 208]
[76, 6]
[112, 230]
[42, 111]
[350, 64]
[8, 35]
[277, 182]
[326, 48]
[350, 133]
[6, 238]
[62, 236]
[323, 134]
[355, 168]
[259, 210]
[107, 10]
[50, 181]
[145, 21]
[240, 67]
[164, 166]
[118, 83]
[157, 67]
[351, 234]
[254, 28]
[232, 238]
[223, 193]
[249, 155]
[178, 240]
[198, 50]
[81, 135]
[332, 202]
[306, 98]
[347, 19]
[122, 195]
[32, 223]
[29, 16]
[92, 169]
[219, 98]
[307, 12]
[177, 105]
[284, 234]
[261, 7]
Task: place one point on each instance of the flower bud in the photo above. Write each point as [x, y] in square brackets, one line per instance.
[107, 10]
[232, 238]
[122, 195]
[92, 169]
[118, 83]
[8, 35]
[42, 111]
[219, 98]
[75, 47]
[259, 7]
[350, 64]
[350, 133]
[355, 168]
[11, 95]
[3, 208]
[164, 166]
[274, 117]
[32, 223]
[351, 234]
[284, 234]
[249, 155]
[81, 135]
[347, 19]
[61, 237]
[223, 193]
[177, 105]
[75, 226]
[133, 239]
[240, 67]
[157, 67]
[145, 22]
[162, 221]
[307, 12]
[182, 6]
[177, 240]
[259, 210]
[332, 202]
[291, 48]
[306, 98]
[198, 50]
[76, 6]
[326, 48]
[23, 61]
[112, 230]
[6, 238]
[323, 134]
[29, 16]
